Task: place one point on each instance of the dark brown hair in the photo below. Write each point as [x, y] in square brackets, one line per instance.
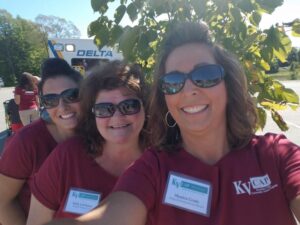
[111, 76]
[26, 81]
[56, 67]
[240, 111]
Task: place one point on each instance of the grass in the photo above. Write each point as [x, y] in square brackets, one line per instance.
[284, 73]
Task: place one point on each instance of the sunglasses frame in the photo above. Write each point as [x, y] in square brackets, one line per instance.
[118, 107]
[63, 95]
[189, 76]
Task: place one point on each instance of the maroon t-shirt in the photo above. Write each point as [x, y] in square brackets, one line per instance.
[24, 154]
[70, 168]
[253, 185]
[27, 98]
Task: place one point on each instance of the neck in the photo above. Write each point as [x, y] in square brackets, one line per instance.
[116, 158]
[210, 147]
[58, 134]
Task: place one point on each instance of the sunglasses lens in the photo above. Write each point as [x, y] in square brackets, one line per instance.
[50, 100]
[203, 76]
[104, 110]
[126, 107]
[172, 82]
[70, 95]
[207, 76]
[129, 106]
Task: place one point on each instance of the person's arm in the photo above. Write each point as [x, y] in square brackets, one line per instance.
[295, 206]
[17, 99]
[119, 208]
[38, 213]
[37, 101]
[10, 209]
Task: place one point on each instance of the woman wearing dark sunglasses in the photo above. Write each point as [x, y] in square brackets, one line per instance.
[27, 149]
[207, 166]
[83, 170]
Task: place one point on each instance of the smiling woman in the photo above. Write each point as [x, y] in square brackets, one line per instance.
[26, 151]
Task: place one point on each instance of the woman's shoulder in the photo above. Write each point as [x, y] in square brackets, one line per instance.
[18, 90]
[271, 139]
[272, 143]
[34, 130]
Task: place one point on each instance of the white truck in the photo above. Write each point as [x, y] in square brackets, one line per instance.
[82, 54]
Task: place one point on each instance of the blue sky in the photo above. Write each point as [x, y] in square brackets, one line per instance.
[81, 13]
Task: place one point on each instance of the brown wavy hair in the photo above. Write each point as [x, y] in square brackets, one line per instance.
[240, 111]
[109, 76]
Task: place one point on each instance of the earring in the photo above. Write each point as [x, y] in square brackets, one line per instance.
[166, 120]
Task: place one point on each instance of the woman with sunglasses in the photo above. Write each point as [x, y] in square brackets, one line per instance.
[83, 170]
[210, 168]
[27, 149]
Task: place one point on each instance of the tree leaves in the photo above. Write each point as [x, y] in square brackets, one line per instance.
[22, 45]
[132, 11]
[120, 12]
[57, 27]
[296, 28]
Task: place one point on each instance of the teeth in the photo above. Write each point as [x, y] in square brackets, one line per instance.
[67, 116]
[194, 109]
[119, 126]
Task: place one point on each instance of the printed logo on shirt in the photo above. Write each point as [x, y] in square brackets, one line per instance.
[29, 92]
[255, 185]
[81, 201]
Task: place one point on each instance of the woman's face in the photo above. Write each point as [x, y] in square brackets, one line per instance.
[195, 109]
[119, 129]
[64, 115]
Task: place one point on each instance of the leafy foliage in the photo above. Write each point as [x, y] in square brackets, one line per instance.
[234, 25]
[22, 47]
[57, 27]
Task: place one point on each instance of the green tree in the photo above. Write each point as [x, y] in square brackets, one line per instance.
[22, 48]
[234, 24]
[57, 27]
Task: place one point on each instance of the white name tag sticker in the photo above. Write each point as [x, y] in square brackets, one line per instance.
[188, 193]
[81, 201]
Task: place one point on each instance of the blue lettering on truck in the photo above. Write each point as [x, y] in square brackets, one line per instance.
[93, 53]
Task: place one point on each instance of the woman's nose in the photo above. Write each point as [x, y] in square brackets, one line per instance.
[189, 87]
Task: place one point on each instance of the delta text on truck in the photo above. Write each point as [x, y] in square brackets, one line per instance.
[82, 54]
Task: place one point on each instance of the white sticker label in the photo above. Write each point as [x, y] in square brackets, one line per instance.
[81, 201]
[188, 193]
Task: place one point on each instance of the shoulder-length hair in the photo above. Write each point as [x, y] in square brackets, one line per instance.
[240, 110]
[111, 76]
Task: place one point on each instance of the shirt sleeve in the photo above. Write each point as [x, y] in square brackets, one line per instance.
[141, 179]
[18, 91]
[17, 158]
[46, 185]
[289, 165]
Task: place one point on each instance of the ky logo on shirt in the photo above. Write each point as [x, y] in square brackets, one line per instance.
[255, 185]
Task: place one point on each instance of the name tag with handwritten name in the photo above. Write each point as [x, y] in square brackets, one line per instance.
[188, 193]
[81, 201]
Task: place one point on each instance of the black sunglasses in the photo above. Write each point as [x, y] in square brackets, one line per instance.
[203, 76]
[126, 107]
[68, 96]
